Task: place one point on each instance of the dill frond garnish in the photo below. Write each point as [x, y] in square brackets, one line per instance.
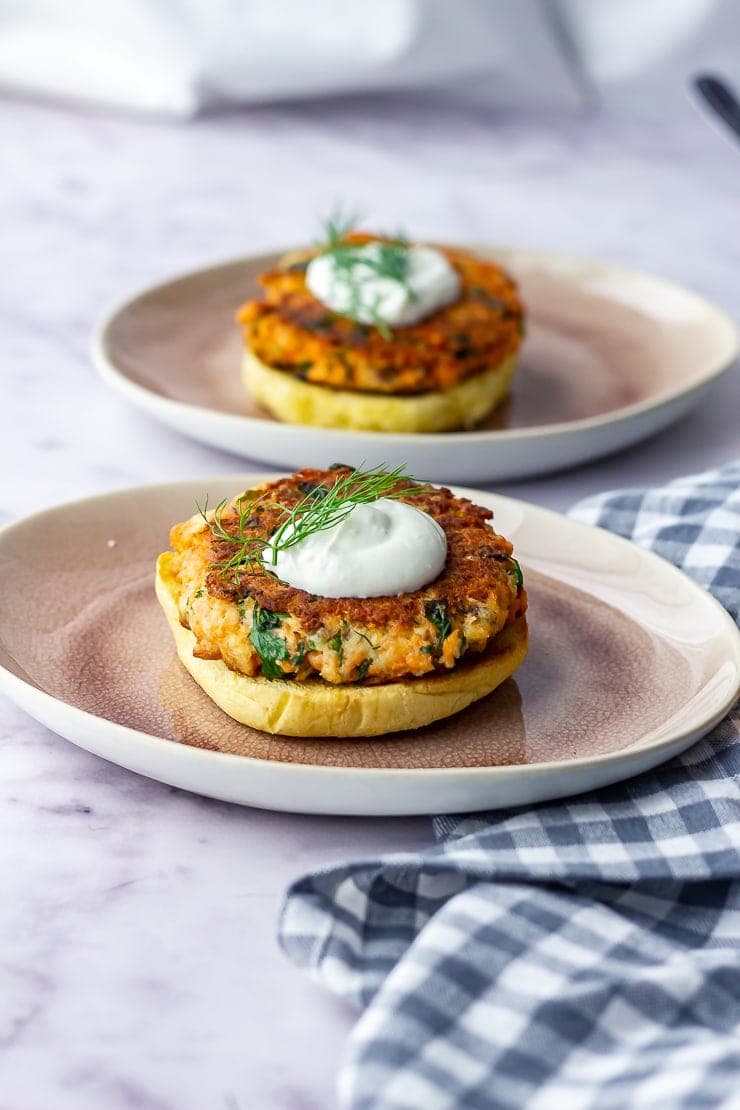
[355, 265]
[320, 509]
[337, 227]
[250, 548]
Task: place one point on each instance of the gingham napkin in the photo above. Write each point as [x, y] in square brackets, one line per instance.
[568, 955]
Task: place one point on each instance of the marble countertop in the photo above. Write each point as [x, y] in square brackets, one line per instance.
[138, 962]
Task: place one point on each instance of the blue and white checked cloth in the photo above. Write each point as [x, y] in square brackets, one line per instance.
[568, 955]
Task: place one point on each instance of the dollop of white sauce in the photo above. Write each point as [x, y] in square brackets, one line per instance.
[359, 292]
[383, 548]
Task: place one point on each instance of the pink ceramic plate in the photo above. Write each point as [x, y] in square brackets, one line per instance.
[629, 663]
[611, 356]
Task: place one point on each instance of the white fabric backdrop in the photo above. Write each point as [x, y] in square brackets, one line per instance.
[177, 57]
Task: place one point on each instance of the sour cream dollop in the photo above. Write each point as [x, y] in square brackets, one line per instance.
[358, 291]
[383, 548]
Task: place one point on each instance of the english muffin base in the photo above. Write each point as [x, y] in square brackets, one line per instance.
[297, 402]
[316, 708]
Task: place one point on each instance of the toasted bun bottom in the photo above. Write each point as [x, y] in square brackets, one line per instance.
[317, 708]
[297, 402]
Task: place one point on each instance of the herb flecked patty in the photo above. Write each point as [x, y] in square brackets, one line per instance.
[258, 625]
[293, 332]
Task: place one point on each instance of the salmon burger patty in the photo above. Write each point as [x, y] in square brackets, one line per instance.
[259, 626]
[289, 330]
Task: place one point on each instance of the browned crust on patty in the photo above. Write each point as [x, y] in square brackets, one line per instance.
[290, 330]
[477, 588]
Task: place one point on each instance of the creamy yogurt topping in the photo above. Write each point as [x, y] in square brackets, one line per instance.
[357, 290]
[383, 548]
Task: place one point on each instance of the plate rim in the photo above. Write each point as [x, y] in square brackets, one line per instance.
[185, 752]
[151, 400]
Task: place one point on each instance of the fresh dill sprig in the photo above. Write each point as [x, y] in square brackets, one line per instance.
[354, 267]
[250, 547]
[337, 227]
[325, 507]
[322, 508]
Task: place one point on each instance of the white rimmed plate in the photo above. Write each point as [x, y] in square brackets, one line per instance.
[611, 356]
[630, 662]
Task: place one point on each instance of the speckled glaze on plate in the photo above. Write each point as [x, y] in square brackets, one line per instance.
[611, 356]
[629, 663]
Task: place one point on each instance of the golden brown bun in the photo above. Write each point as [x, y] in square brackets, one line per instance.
[317, 708]
[298, 402]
